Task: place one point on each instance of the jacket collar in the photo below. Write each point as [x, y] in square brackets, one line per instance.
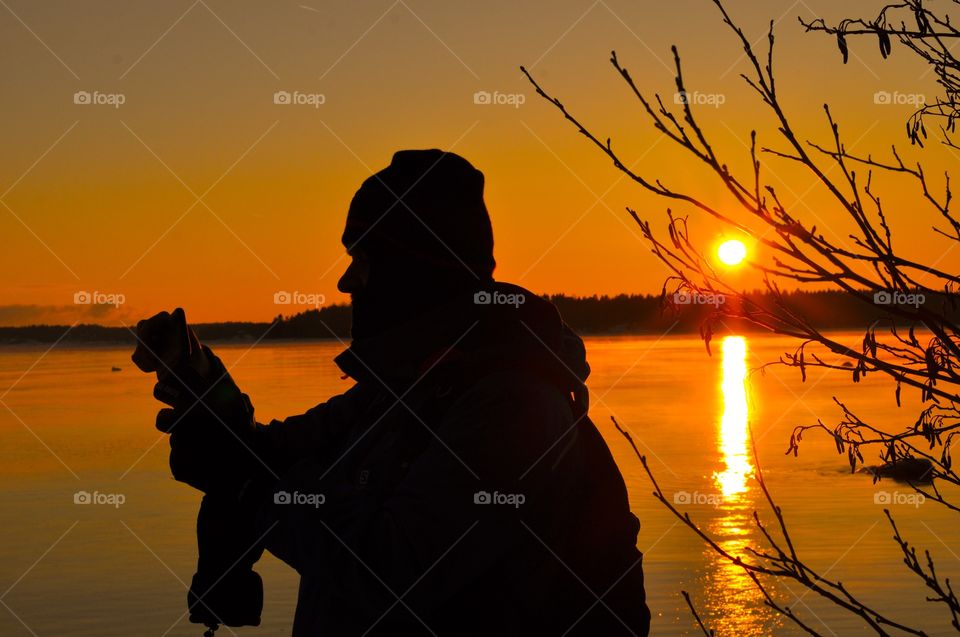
[500, 325]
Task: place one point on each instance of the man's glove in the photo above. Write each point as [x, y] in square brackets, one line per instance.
[225, 588]
[210, 421]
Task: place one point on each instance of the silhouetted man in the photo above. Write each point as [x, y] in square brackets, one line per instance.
[457, 488]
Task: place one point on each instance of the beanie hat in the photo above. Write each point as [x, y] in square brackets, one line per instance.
[428, 205]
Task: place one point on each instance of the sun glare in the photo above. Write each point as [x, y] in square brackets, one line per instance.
[732, 252]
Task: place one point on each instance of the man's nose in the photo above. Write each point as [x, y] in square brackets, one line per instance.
[351, 280]
[344, 283]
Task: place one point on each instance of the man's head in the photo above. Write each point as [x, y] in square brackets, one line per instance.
[418, 232]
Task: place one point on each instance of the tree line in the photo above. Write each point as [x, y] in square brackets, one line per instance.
[588, 315]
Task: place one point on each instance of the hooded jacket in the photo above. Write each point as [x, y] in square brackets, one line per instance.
[458, 488]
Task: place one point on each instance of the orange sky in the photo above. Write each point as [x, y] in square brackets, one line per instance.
[95, 197]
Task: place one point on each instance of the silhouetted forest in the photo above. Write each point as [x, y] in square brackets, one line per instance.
[594, 315]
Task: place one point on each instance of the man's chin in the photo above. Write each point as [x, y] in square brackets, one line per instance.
[365, 321]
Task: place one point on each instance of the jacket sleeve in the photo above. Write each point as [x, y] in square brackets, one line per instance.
[495, 441]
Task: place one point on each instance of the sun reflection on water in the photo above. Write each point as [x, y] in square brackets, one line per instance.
[732, 481]
[732, 602]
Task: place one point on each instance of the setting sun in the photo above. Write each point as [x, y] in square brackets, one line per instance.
[732, 252]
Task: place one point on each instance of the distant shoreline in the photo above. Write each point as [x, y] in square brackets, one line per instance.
[628, 315]
[345, 342]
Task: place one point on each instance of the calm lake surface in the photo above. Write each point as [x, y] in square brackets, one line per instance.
[69, 424]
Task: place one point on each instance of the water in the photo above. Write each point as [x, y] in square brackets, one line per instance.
[70, 424]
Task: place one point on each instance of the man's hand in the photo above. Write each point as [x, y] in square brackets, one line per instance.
[165, 343]
[167, 346]
[210, 420]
